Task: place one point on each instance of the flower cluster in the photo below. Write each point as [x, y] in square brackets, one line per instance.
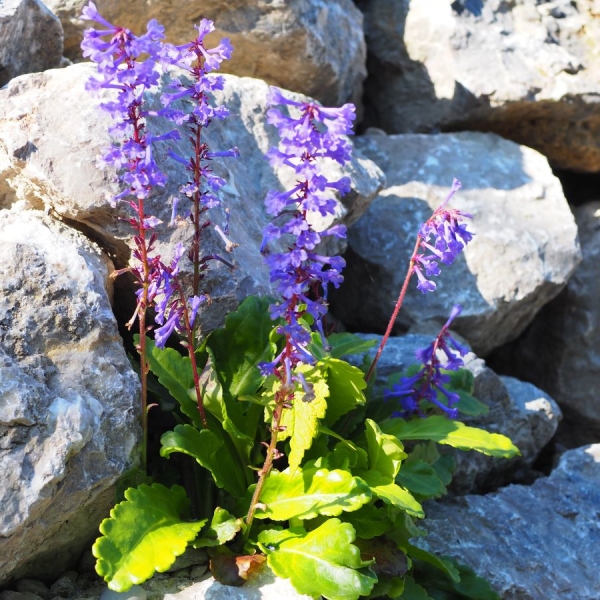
[117, 52]
[173, 310]
[441, 238]
[300, 274]
[131, 64]
[428, 384]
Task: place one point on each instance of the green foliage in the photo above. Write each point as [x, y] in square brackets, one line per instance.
[143, 534]
[306, 494]
[456, 434]
[209, 449]
[336, 514]
[322, 562]
[301, 421]
[241, 345]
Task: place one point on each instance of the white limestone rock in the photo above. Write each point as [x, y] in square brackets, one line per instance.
[525, 69]
[524, 250]
[69, 399]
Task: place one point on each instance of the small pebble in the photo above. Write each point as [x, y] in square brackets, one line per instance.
[34, 586]
[65, 584]
[198, 571]
[137, 592]
[10, 595]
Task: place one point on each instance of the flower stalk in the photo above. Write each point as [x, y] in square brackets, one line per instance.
[440, 239]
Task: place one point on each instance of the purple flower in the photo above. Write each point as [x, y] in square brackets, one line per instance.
[427, 387]
[309, 134]
[441, 238]
[117, 52]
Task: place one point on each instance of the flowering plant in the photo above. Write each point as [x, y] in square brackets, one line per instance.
[281, 428]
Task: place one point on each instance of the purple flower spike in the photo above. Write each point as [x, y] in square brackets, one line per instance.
[441, 239]
[309, 135]
[427, 386]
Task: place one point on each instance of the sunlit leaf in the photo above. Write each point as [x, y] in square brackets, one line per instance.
[391, 493]
[386, 452]
[306, 494]
[323, 562]
[346, 384]
[456, 434]
[222, 529]
[143, 534]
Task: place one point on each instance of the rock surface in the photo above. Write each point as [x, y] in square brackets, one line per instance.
[49, 162]
[31, 39]
[516, 409]
[68, 396]
[530, 542]
[523, 252]
[315, 47]
[527, 70]
[560, 352]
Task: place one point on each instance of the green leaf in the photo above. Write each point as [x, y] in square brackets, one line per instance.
[306, 494]
[242, 344]
[413, 591]
[346, 384]
[385, 489]
[386, 452]
[443, 565]
[238, 420]
[323, 562]
[368, 521]
[222, 528]
[453, 433]
[174, 371]
[301, 421]
[420, 478]
[143, 534]
[208, 447]
[462, 383]
[469, 587]
[345, 344]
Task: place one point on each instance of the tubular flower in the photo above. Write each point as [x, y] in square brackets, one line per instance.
[441, 239]
[175, 312]
[427, 386]
[300, 274]
[127, 63]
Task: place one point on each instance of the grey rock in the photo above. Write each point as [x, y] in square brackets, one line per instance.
[33, 586]
[36, 170]
[315, 47]
[68, 395]
[530, 542]
[261, 586]
[137, 592]
[31, 39]
[516, 409]
[561, 350]
[524, 249]
[190, 558]
[65, 585]
[11, 595]
[526, 70]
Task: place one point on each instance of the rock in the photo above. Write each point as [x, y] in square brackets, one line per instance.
[11, 595]
[530, 542]
[68, 396]
[516, 409]
[315, 47]
[65, 585]
[31, 39]
[523, 252]
[38, 170]
[527, 70]
[137, 592]
[262, 586]
[560, 352]
[33, 586]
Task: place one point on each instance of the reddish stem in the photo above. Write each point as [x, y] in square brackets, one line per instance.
[397, 308]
